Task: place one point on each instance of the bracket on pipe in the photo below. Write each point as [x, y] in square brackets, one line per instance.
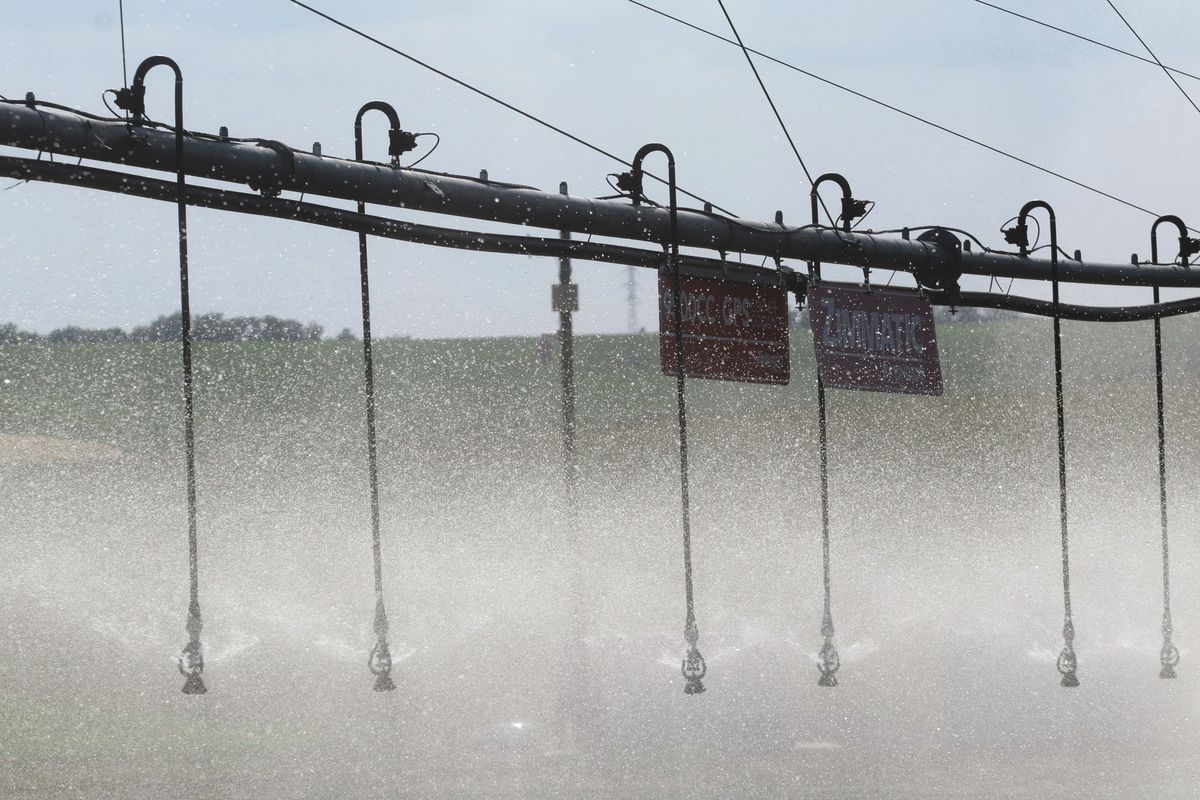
[944, 279]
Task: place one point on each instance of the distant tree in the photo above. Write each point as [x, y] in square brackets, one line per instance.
[10, 334]
[346, 336]
[75, 335]
[163, 329]
[211, 327]
[215, 327]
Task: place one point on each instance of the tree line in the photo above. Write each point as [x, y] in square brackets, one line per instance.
[213, 327]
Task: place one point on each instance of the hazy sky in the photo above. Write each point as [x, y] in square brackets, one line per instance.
[618, 76]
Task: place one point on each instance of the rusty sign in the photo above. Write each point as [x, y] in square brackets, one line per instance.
[732, 331]
[878, 340]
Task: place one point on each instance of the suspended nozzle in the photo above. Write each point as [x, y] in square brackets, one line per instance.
[1067, 663]
[191, 660]
[828, 661]
[1169, 658]
[380, 660]
[1169, 655]
[693, 667]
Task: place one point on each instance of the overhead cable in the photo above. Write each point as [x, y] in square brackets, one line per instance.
[1166, 71]
[492, 97]
[771, 102]
[1083, 38]
[909, 114]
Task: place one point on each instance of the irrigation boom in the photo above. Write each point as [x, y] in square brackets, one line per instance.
[271, 167]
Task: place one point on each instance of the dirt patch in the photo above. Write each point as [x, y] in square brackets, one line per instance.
[27, 449]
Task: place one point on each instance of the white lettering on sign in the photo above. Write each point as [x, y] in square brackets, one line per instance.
[879, 340]
[711, 309]
[870, 331]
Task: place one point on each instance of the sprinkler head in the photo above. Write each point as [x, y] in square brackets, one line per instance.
[852, 209]
[1018, 235]
[631, 183]
[194, 684]
[132, 99]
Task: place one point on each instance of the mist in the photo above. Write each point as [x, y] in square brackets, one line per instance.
[531, 662]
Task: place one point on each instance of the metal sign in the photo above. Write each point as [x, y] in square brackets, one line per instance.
[732, 331]
[878, 340]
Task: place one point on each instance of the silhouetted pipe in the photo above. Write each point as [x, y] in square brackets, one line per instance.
[261, 163]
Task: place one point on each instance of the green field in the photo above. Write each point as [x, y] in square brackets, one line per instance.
[947, 595]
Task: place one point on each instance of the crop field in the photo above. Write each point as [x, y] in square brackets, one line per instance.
[533, 663]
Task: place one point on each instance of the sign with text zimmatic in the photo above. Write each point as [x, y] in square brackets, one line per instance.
[732, 331]
[879, 340]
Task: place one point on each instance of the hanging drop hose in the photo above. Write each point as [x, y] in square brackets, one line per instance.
[1019, 235]
[380, 659]
[133, 100]
[693, 667]
[1169, 654]
[1067, 662]
[828, 661]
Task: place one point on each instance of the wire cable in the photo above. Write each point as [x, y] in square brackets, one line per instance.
[909, 114]
[774, 110]
[1166, 71]
[1086, 39]
[492, 97]
[124, 68]
[437, 141]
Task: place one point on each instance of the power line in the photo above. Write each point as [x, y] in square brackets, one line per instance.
[771, 102]
[1081, 37]
[493, 98]
[909, 114]
[1166, 71]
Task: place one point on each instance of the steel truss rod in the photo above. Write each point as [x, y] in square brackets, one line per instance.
[383, 227]
[1045, 308]
[272, 167]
